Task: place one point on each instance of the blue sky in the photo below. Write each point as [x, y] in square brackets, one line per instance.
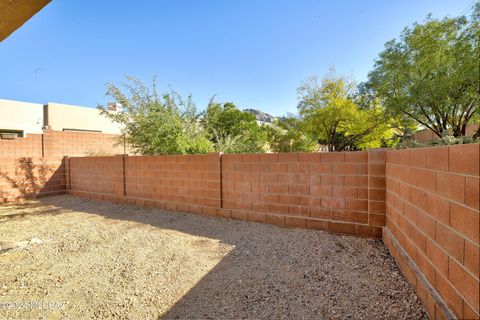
[251, 52]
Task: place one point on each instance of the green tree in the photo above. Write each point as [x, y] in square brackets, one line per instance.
[287, 135]
[157, 124]
[231, 130]
[432, 74]
[333, 117]
[403, 126]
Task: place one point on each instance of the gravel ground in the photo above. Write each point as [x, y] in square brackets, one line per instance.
[101, 260]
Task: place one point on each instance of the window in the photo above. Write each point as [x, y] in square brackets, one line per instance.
[80, 130]
[9, 134]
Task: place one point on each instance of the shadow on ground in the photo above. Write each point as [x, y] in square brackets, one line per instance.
[274, 272]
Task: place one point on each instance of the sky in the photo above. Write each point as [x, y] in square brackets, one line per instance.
[250, 52]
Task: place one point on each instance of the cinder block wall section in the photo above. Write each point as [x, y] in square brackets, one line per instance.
[96, 177]
[327, 191]
[30, 177]
[433, 225]
[62, 143]
[428, 198]
[33, 166]
[30, 146]
[189, 183]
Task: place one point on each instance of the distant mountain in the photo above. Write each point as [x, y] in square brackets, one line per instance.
[260, 115]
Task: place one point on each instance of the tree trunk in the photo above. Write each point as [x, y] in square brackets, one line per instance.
[477, 134]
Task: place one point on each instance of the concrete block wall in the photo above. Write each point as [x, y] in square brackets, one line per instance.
[29, 146]
[61, 143]
[96, 176]
[30, 177]
[428, 199]
[432, 226]
[327, 191]
[189, 183]
[33, 166]
[376, 187]
[423, 202]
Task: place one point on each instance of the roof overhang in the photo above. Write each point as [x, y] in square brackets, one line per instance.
[14, 13]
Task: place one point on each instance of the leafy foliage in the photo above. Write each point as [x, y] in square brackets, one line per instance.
[154, 124]
[445, 141]
[431, 74]
[403, 127]
[333, 117]
[286, 135]
[231, 130]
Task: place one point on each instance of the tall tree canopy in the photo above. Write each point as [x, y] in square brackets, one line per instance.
[286, 134]
[432, 74]
[232, 130]
[158, 124]
[332, 116]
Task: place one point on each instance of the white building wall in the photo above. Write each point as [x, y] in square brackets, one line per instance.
[64, 116]
[16, 115]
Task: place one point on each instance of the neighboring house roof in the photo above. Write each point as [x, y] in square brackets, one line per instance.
[427, 135]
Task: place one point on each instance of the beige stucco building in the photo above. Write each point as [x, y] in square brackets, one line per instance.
[24, 118]
[21, 116]
[64, 117]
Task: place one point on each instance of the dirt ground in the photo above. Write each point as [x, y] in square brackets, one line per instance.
[101, 260]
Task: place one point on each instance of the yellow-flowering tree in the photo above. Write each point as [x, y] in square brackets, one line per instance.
[332, 116]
